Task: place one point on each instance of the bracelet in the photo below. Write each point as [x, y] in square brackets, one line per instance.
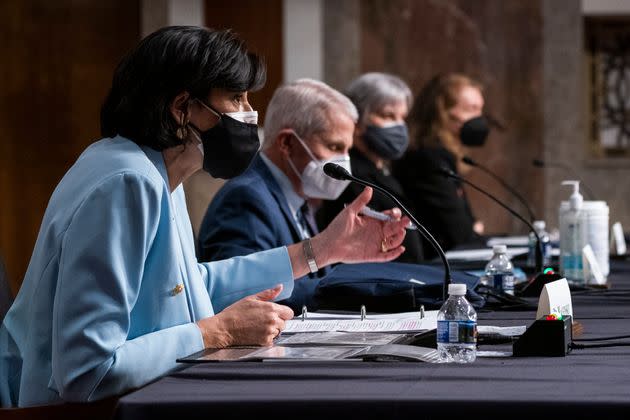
[310, 256]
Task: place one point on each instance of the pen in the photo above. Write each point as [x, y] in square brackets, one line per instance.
[366, 211]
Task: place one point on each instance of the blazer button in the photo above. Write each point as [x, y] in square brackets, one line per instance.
[177, 289]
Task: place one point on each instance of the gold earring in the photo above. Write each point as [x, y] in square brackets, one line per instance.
[182, 130]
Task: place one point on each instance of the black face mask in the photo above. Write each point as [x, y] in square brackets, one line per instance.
[229, 147]
[388, 142]
[474, 132]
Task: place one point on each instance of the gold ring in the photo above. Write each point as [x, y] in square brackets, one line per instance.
[384, 245]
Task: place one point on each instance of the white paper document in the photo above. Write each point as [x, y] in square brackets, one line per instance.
[483, 254]
[504, 331]
[493, 353]
[339, 338]
[400, 352]
[398, 315]
[356, 325]
[522, 240]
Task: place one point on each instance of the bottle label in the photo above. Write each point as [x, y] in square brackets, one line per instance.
[546, 251]
[546, 254]
[503, 282]
[572, 262]
[457, 332]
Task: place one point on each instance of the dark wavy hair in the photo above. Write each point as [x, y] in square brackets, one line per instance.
[164, 64]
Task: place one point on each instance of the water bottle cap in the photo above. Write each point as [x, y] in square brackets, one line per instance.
[539, 224]
[499, 249]
[457, 289]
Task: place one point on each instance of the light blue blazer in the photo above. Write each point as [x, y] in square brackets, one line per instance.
[98, 312]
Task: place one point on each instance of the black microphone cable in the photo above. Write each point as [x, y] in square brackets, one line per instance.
[539, 163]
[450, 174]
[612, 337]
[338, 172]
[577, 346]
[590, 290]
[469, 161]
[597, 342]
[496, 300]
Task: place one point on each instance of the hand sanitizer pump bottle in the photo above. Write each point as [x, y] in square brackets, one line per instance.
[572, 236]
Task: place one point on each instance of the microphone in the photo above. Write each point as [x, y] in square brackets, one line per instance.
[540, 278]
[539, 163]
[505, 185]
[338, 172]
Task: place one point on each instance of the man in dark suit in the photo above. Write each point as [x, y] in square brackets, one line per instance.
[307, 124]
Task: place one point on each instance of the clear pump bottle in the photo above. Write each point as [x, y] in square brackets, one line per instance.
[572, 236]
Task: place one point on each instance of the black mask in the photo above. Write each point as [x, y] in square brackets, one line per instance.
[387, 142]
[229, 147]
[474, 132]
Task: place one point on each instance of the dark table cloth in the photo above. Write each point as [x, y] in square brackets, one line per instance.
[585, 384]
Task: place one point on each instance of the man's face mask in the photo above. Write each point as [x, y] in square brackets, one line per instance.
[229, 147]
[474, 132]
[389, 142]
[315, 183]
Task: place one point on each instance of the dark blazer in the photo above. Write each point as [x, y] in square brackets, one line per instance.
[439, 202]
[364, 168]
[251, 214]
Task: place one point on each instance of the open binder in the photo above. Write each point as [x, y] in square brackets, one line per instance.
[399, 352]
[327, 337]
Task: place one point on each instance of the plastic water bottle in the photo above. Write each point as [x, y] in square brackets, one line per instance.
[539, 227]
[457, 327]
[500, 271]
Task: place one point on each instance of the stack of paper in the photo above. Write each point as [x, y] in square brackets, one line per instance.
[391, 323]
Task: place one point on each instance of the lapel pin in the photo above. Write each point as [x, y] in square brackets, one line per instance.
[177, 289]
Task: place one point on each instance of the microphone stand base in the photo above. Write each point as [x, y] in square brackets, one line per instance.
[535, 286]
[545, 338]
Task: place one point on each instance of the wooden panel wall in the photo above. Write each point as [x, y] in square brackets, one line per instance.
[498, 42]
[259, 24]
[57, 58]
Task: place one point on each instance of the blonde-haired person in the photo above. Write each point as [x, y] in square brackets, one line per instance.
[446, 118]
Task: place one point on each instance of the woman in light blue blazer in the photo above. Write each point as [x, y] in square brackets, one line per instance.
[113, 294]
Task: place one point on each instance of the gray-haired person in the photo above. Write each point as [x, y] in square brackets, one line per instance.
[383, 102]
[307, 125]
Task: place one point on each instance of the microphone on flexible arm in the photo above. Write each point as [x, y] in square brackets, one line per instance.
[535, 285]
[539, 163]
[467, 160]
[338, 172]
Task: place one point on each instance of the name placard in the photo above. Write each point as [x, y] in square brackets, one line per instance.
[618, 239]
[592, 271]
[555, 298]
